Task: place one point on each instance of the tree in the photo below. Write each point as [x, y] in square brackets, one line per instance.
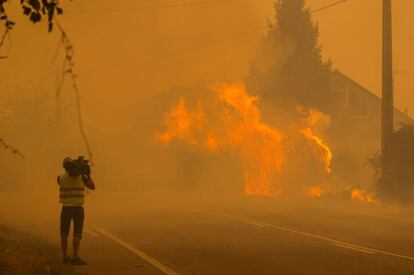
[289, 67]
[35, 10]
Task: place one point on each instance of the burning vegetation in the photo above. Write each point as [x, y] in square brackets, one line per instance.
[315, 191]
[361, 195]
[228, 118]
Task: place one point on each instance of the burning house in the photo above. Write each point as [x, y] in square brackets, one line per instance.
[217, 139]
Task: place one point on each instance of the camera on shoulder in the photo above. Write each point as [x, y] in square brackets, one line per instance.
[76, 167]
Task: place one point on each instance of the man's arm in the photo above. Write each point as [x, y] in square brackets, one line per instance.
[87, 180]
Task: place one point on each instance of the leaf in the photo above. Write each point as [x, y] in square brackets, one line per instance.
[59, 11]
[9, 24]
[26, 10]
[35, 4]
[35, 17]
[3, 17]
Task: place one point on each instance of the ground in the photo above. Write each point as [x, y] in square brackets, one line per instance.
[24, 253]
[230, 235]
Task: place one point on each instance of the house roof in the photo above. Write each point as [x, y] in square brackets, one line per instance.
[359, 87]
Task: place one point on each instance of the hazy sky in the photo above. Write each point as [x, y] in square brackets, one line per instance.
[123, 56]
[351, 35]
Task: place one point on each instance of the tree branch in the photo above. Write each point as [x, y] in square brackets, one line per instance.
[68, 69]
[12, 149]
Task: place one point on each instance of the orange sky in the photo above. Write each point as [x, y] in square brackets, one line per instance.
[115, 50]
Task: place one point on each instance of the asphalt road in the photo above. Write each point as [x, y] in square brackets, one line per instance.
[298, 240]
[253, 237]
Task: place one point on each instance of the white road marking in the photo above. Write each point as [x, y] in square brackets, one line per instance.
[137, 252]
[91, 232]
[311, 235]
[354, 248]
[253, 223]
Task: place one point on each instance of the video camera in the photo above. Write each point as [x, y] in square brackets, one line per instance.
[76, 167]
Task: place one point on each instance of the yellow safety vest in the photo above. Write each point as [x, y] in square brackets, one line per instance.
[71, 190]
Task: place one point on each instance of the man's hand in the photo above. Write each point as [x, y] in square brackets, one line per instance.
[87, 180]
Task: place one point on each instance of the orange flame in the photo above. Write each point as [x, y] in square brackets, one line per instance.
[180, 123]
[314, 118]
[315, 191]
[232, 119]
[362, 195]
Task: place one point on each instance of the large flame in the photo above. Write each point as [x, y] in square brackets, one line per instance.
[361, 195]
[232, 119]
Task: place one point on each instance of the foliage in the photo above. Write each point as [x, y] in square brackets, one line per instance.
[35, 10]
[375, 163]
[289, 65]
[399, 186]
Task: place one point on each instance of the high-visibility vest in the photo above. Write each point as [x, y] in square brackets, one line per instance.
[71, 190]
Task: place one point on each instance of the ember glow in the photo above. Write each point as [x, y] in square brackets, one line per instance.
[229, 118]
[358, 194]
[315, 191]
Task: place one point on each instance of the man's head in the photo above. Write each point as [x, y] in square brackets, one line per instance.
[70, 167]
[67, 162]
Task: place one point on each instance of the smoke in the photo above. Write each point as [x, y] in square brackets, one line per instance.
[130, 58]
[132, 71]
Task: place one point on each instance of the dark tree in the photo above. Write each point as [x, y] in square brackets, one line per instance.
[35, 10]
[289, 67]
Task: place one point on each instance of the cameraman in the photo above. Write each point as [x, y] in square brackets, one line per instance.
[72, 196]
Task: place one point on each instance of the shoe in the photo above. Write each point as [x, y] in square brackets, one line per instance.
[66, 260]
[78, 261]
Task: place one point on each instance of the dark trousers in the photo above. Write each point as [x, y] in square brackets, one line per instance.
[69, 213]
